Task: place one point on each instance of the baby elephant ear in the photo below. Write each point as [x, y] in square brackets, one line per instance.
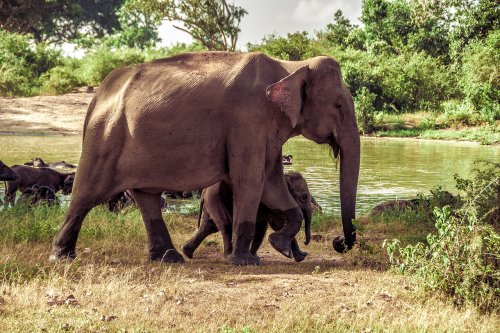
[288, 93]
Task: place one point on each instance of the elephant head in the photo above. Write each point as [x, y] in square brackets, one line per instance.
[321, 108]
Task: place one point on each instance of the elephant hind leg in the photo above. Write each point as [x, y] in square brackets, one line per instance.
[160, 243]
[207, 227]
[64, 243]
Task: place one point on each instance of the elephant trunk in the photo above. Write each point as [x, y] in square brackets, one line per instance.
[307, 224]
[349, 173]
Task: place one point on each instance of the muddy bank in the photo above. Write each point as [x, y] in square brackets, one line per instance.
[44, 115]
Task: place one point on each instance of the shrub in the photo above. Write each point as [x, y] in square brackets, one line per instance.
[410, 82]
[461, 257]
[295, 46]
[59, 80]
[459, 113]
[99, 63]
[363, 106]
[22, 63]
[15, 80]
[480, 76]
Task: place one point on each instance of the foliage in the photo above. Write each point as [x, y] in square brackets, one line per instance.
[296, 46]
[482, 193]
[337, 33]
[59, 80]
[461, 257]
[99, 63]
[213, 23]
[480, 76]
[59, 21]
[402, 83]
[363, 105]
[22, 63]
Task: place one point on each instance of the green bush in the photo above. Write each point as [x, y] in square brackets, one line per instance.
[480, 76]
[99, 63]
[295, 46]
[461, 258]
[410, 82]
[59, 80]
[22, 63]
[363, 106]
[459, 113]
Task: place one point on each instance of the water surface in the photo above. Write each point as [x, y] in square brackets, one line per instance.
[390, 168]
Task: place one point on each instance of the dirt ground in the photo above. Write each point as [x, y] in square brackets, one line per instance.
[63, 114]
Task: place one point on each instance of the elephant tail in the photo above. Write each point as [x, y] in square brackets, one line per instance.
[202, 201]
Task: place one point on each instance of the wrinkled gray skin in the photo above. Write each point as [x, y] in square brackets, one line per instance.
[28, 177]
[37, 195]
[190, 121]
[216, 211]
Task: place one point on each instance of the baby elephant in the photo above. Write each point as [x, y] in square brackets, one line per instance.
[216, 210]
[36, 195]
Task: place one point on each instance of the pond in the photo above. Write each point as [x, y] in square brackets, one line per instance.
[390, 168]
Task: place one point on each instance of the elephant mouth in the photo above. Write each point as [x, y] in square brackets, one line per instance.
[335, 146]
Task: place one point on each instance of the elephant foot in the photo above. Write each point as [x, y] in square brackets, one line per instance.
[60, 254]
[299, 256]
[281, 243]
[188, 251]
[243, 259]
[339, 245]
[171, 257]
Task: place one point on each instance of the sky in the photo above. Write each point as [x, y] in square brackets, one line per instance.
[276, 16]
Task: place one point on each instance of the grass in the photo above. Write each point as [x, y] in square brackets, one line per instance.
[112, 287]
[425, 125]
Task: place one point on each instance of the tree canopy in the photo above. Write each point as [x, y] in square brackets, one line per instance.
[59, 20]
[213, 23]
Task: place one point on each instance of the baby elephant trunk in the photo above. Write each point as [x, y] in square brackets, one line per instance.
[307, 224]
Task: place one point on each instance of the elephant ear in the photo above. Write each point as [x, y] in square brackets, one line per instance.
[288, 93]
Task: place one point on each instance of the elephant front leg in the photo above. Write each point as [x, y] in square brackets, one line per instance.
[160, 243]
[244, 215]
[298, 254]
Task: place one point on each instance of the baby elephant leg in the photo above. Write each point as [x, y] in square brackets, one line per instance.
[207, 227]
[260, 233]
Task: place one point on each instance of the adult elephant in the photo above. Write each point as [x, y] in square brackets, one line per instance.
[190, 121]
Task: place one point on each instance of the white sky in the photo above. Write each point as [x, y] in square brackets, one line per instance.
[277, 16]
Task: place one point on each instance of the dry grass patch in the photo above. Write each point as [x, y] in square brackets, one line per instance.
[111, 287]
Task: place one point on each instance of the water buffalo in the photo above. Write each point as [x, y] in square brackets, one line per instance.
[36, 195]
[29, 176]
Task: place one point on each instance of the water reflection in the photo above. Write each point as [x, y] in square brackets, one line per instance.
[390, 168]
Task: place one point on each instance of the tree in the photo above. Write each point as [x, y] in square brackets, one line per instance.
[474, 20]
[137, 29]
[59, 21]
[214, 23]
[337, 33]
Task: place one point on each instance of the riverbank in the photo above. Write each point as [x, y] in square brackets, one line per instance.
[64, 115]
